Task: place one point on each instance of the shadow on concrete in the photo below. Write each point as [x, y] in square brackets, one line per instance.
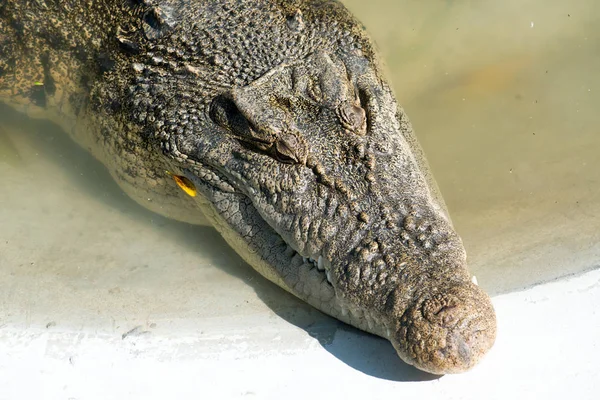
[364, 352]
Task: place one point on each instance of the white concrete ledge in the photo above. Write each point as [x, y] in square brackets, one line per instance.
[547, 348]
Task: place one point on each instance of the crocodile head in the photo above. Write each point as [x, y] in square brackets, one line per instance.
[307, 166]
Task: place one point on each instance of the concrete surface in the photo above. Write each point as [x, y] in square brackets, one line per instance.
[547, 348]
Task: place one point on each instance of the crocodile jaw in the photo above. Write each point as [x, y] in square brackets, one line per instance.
[442, 325]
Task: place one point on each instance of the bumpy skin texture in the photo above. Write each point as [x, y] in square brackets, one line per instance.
[279, 114]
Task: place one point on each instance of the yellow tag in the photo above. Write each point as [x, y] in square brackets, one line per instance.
[184, 183]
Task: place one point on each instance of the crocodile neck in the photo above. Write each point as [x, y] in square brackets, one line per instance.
[54, 54]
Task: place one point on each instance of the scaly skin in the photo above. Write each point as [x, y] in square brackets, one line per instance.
[277, 111]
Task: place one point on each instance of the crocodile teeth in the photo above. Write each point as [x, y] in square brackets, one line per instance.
[474, 280]
[328, 276]
[320, 264]
[304, 259]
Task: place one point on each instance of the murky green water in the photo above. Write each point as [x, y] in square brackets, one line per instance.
[504, 99]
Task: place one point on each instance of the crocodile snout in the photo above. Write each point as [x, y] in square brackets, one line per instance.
[447, 331]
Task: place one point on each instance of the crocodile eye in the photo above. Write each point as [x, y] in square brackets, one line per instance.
[284, 154]
[289, 149]
[224, 112]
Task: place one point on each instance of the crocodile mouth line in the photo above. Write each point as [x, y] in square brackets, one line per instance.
[313, 269]
[348, 313]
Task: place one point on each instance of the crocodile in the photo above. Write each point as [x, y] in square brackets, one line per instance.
[276, 120]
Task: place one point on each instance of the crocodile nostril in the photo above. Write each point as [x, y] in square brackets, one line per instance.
[442, 309]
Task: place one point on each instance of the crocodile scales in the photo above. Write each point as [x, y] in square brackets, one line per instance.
[275, 117]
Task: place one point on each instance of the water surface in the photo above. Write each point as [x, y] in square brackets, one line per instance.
[504, 98]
